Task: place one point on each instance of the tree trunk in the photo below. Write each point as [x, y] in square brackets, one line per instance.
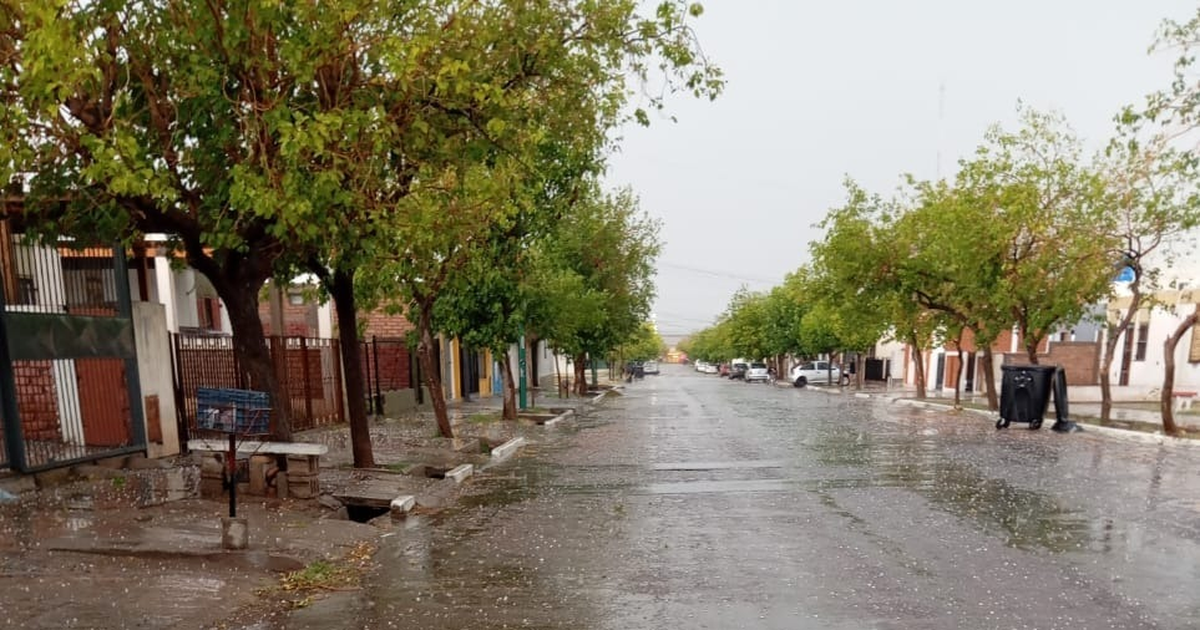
[958, 378]
[510, 392]
[433, 379]
[581, 386]
[1168, 388]
[919, 361]
[989, 375]
[562, 391]
[250, 348]
[1031, 348]
[1114, 332]
[342, 290]
[1106, 381]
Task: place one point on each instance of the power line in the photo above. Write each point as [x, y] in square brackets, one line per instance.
[717, 274]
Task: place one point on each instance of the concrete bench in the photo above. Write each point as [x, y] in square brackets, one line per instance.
[282, 469]
[1183, 400]
[256, 447]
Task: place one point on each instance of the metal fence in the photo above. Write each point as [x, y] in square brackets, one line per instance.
[310, 375]
[68, 368]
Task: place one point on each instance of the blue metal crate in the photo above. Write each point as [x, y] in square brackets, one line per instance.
[233, 410]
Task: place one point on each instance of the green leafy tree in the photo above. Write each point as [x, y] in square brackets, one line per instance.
[1150, 194]
[188, 118]
[1160, 141]
[253, 129]
[604, 250]
[747, 325]
[845, 272]
[1046, 209]
[948, 256]
[644, 344]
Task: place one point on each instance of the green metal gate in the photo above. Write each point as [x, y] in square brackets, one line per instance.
[69, 390]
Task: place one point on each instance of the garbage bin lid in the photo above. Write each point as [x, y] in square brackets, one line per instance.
[1028, 368]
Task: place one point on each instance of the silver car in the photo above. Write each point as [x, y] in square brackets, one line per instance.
[758, 372]
[814, 372]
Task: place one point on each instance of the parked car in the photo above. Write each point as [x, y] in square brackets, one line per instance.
[710, 368]
[757, 372]
[814, 372]
[738, 370]
[701, 366]
[650, 367]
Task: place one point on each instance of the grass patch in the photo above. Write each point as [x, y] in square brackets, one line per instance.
[483, 417]
[398, 466]
[299, 589]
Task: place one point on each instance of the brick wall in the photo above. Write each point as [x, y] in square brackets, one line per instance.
[36, 400]
[296, 359]
[379, 324]
[1079, 359]
[299, 320]
[394, 363]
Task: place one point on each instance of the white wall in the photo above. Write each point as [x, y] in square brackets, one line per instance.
[545, 365]
[893, 353]
[1146, 377]
[154, 372]
[185, 299]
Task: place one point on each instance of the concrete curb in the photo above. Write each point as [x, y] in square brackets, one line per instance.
[598, 397]
[1110, 432]
[402, 504]
[556, 420]
[507, 449]
[460, 473]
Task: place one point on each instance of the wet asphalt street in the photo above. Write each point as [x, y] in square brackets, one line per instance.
[696, 502]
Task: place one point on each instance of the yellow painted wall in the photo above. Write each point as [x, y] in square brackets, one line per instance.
[485, 373]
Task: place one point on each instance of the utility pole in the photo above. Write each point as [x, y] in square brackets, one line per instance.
[521, 379]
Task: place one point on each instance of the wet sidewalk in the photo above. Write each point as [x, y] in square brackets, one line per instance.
[101, 546]
[1141, 416]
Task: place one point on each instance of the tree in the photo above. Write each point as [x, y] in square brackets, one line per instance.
[1150, 193]
[1045, 209]
[1166, 398]
[644, 344]
[604, 251]
[948, 257]
[846, 264]
[747, 325]
[180, 117]
[523, 73]
[1159, 215]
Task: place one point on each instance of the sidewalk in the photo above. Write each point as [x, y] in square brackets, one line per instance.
[1123, 417]
[106, 546]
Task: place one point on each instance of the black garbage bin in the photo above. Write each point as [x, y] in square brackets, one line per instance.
[1025, 395]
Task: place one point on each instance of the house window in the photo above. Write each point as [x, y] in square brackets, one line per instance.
[1143, 332]
[208, 310]
[296, 298]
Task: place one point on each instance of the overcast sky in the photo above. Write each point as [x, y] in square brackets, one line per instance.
[871, 89]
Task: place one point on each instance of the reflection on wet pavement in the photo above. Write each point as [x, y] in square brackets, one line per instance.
[696, 502]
